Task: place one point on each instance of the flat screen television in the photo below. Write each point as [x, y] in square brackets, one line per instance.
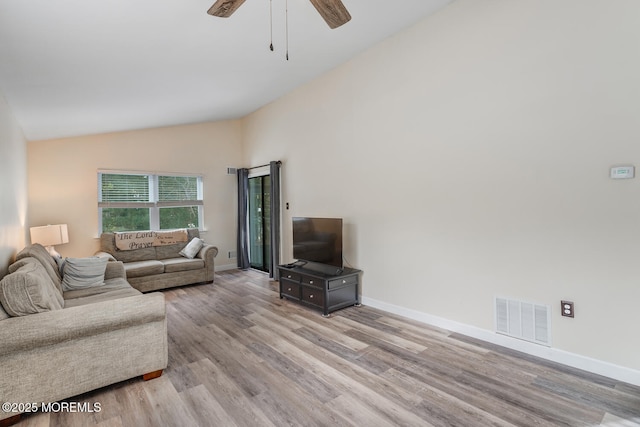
[318, 240]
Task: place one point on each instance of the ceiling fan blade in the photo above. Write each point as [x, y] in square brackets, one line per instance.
[332, 11]
[224, 8]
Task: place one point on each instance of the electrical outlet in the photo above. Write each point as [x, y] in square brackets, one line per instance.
[567, 308]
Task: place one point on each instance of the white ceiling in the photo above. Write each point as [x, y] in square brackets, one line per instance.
[78, 67]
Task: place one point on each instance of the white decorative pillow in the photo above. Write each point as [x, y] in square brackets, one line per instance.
[192, 248]
[81, 273]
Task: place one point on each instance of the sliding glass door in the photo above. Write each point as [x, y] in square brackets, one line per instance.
[259, 222]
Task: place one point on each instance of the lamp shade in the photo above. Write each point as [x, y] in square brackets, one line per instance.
[50, 235]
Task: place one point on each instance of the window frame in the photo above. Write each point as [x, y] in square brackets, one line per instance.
[154, 204]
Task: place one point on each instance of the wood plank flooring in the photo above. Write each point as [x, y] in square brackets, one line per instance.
[240, 356]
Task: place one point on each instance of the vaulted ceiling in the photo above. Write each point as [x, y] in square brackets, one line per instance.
[77, 67]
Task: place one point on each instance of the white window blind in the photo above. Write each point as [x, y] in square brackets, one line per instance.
[175, 190]
[119, 190]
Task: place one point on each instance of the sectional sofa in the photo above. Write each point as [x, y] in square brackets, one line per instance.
[57, 343]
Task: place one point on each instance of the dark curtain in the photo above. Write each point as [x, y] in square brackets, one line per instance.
[243, 227]
[274, 170]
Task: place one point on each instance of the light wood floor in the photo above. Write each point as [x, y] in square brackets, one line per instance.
[240, 356]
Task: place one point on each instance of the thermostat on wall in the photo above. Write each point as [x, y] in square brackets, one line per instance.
[622, 172]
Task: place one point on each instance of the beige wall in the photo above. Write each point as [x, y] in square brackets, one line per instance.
[469, 157]
[13, 186]
[63, 177]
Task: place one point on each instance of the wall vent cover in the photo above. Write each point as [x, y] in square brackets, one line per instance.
[524, 320]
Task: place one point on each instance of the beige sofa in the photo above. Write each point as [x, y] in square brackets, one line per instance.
[56, 344]
[161, 267]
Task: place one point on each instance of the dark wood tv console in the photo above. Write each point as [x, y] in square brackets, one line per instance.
[326, 292]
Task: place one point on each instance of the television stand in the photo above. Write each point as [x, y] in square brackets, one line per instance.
[326, 292]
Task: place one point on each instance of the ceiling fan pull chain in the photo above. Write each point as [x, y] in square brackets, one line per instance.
[286, 23]
[271, 23]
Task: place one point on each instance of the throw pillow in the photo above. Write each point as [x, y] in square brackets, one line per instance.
[60, 264]
[38, 252]
[81, 273]
[192, 248]
[29, 290]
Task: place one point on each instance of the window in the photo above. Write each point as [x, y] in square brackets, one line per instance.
[139, 201]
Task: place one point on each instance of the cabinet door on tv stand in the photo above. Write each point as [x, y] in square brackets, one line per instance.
[313, 296]
[290, 289]
[343, 281]
[313, 281]
[290, 276]
[289, 284]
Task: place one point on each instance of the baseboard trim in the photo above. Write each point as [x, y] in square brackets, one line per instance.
[574, 360]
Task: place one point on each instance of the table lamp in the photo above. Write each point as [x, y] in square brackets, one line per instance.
[49, 236]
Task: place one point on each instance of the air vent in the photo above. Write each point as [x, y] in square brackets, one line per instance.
[231, 171]
[524, 320]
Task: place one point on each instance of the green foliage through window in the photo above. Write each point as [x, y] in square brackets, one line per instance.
[125, 219]
[183, 217]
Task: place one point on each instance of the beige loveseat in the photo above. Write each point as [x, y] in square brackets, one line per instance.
[160, 267]
[57, 344]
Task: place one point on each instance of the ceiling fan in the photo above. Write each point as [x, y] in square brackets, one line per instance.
[333, 12]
